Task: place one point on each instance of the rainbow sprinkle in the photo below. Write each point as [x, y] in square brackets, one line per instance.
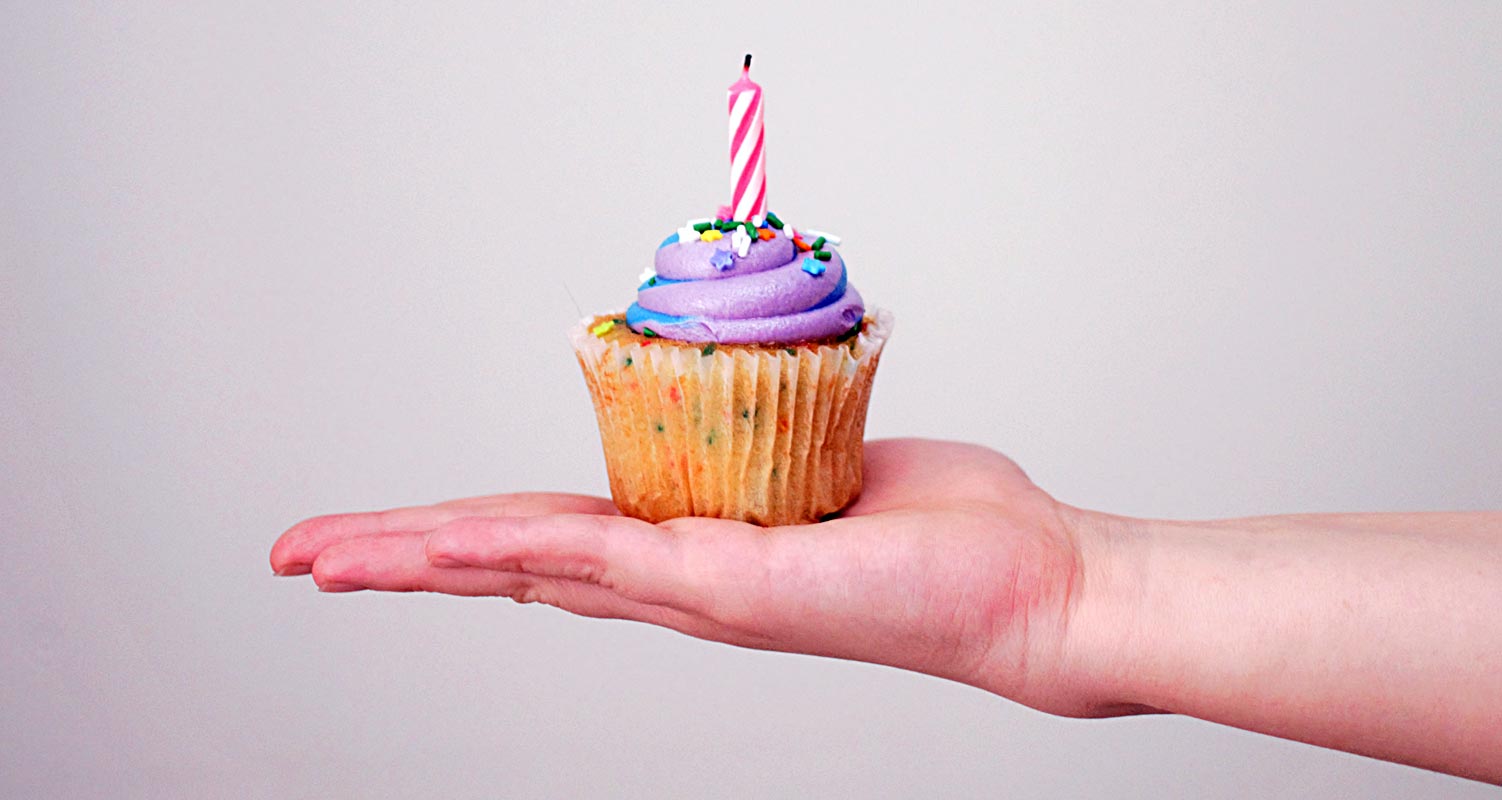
[603, 328]
[741, 241]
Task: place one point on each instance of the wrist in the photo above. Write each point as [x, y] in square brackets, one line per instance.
[1103, 633]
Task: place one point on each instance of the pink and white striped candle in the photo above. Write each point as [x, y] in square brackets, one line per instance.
[748, 158]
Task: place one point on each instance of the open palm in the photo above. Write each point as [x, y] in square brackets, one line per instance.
[951, 563]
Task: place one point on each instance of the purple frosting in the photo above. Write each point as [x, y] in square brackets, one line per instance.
[773, 295]
[690, 262]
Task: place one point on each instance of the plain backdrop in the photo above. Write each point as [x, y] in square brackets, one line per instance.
[263, 261]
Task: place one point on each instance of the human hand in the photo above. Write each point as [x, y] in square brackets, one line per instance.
[954, 564]
[951, 563]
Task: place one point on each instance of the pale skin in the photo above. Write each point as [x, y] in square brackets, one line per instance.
[1379, 634]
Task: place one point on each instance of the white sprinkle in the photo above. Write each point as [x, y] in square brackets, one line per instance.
[688, 234]
[828, 237]
[788, 230]
[740, 241]
[646, 275]
[757, 220]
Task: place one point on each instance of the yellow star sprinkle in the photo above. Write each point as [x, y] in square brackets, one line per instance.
[711, 236]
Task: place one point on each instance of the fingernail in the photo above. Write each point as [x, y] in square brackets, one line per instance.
[340, 587]
[445, 561]
[292, 569]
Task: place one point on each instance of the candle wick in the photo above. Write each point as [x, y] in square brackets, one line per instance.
[747, 66]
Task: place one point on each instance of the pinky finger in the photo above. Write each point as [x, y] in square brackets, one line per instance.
[593, 600]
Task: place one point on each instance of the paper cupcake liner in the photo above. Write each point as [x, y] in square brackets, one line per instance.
[769, 436]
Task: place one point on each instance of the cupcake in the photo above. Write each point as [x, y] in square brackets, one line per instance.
[736, 385]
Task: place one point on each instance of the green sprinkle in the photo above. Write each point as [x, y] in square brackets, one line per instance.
[723, 225]
[774, 221]
[750, 229]
[854, 330]
[822, 255]
[701, 227]
[710, 438]
[659, 427]
[774, 472]
[648, 332]
[819, 243]
[652, 281]
[792, 352]
[745, 413]
[628, 361]
[620, 320]
[708, 349]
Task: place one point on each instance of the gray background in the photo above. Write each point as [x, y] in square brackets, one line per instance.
[260, 263]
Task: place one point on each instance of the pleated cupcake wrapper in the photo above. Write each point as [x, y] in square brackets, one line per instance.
[760, 435]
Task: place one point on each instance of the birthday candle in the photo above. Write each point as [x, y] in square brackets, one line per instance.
[748, 161]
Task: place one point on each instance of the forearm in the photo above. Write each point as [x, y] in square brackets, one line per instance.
[1377, 634]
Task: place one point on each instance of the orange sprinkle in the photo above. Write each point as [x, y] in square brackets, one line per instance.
[766, 233]
[801, 245]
